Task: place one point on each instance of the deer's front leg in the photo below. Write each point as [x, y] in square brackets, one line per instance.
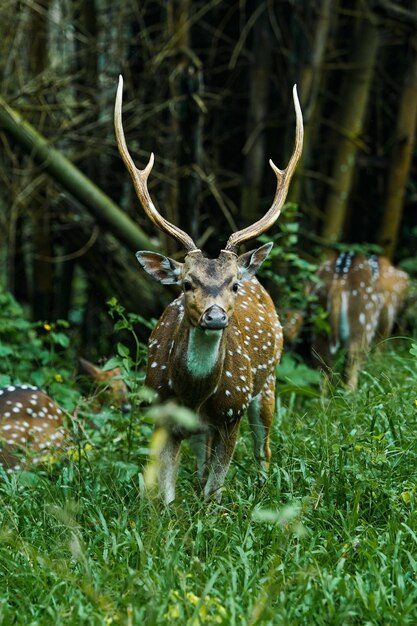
[199, 444]
[168, 464]
[260, 415]
[224, 442]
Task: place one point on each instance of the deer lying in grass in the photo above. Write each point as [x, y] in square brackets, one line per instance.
[362, 296]
[112, 387]
[216, 347]
[32, 425]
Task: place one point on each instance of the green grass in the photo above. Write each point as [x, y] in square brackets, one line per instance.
[329, 539]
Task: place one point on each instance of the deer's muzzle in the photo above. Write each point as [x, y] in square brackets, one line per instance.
[214, 318]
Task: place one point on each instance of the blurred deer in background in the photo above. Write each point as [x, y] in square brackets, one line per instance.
[292, 323]
[216, 347]
[32, 425]
[112, 386]
[362, 296]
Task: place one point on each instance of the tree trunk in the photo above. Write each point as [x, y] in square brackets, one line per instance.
[86, 93]
[187, 120]
[402, 154]
[254, 149]
[43, 274]
[354, 100]
[309, 88]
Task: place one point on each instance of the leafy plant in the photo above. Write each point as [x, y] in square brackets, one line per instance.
[35, 352]
[285, 268]
[127, 322]
[329, 537]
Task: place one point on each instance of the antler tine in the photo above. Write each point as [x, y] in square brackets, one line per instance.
[140, 178]
[283, 183]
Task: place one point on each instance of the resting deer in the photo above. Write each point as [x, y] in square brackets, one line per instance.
[363, 296]
[113, 387]
[216, 347]
[32, 425]
[29, 420]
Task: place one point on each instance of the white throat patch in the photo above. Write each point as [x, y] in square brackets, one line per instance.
[203, 351]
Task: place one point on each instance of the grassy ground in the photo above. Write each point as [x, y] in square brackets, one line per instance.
[329, 539]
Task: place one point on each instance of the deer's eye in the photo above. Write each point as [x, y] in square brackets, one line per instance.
[235, 287]
[187, 285]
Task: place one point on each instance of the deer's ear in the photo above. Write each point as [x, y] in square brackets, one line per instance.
[161, 268]
[90, 368]
[251, 261]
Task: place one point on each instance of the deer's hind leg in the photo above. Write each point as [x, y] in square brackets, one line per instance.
[260, 415]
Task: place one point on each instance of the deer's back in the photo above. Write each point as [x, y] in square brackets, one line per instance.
[362, 296]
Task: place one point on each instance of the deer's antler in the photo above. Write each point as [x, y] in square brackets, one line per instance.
[140, 179]
[283, 183]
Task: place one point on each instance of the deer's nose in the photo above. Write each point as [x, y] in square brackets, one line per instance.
[214, 318]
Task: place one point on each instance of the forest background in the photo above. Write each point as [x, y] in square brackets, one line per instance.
[208, 89]
[330, 537]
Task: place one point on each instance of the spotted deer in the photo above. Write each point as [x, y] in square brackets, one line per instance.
[216, 347]
[362, 296]
[112, 386]
[292, 323]
[33, 426]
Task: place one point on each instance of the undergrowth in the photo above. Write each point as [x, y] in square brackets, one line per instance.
[329, 539]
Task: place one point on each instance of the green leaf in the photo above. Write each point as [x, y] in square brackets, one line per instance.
[125, 471]
[122, 350]
[5, 351]
[60, 339]
[113, 362]
[122, 325]
[413, 349]
[283, 516]
[5, 380]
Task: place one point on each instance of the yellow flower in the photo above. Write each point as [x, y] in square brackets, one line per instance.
[58, 378]
[47, 327]
[192, 598]
[74, 454]
[210, 611]
[173, 613]
[406, 496]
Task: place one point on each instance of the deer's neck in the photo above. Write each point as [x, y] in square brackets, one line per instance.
[203, 351]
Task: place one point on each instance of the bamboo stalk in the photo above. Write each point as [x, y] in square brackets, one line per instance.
[73, 180]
